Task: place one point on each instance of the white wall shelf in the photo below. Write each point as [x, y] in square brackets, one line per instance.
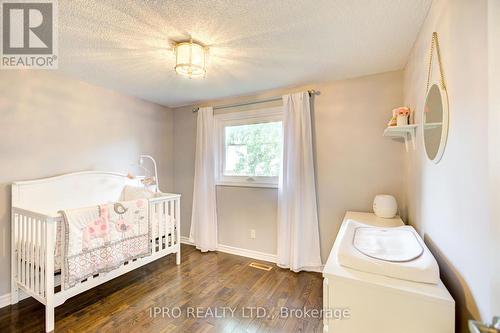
[407, 132]
[432, 125]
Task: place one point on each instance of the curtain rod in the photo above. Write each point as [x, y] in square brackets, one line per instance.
[272, 99]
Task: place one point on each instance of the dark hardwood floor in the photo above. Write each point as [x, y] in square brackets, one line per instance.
[192, 297]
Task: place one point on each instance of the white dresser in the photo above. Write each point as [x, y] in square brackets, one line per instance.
[364, 302]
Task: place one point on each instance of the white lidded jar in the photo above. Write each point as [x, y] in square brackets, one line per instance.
[385, 206]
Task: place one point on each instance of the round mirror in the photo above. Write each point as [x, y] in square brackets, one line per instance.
[435, 122]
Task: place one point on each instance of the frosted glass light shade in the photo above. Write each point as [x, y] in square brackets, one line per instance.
[190, 59]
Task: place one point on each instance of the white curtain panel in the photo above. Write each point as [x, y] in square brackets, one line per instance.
[203, 231]
[298, 231]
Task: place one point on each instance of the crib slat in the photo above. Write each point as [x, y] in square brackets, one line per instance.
[168, 229]
[29, 259]
[13, 248]
[177, 215]
[49, 257]
[18, 239]
[28, 251]
[158, 224]
[153, 231]
[40, 258]
[32, 253]
[49, 275]
[170, 226]
[174, 222]
[34, 261]
[168, 221]
[171, 210]
[43, 248]
[165, 222]
[61, 230]
[21, 240]
[159, 217]
[37, 256]
[23, 254]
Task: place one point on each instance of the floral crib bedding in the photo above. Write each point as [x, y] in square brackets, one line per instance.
[101, 238]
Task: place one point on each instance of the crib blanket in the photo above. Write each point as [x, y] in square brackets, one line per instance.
[101, 238]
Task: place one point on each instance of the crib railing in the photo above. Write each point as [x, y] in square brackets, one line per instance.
[33, 239]
[164, 215]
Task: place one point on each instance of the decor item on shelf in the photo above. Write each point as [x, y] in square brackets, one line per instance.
[190, 59]
[394, 119]
[403, 114]
[400, 116]
[385, 206]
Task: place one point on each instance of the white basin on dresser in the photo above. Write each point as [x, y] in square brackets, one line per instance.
[380, 304]
[388, 244]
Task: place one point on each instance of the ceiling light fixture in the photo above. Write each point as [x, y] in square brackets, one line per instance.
[190, 59]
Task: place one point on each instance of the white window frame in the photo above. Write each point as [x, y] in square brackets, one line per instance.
[222, 120]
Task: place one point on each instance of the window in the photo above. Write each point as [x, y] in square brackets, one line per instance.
[249, 147]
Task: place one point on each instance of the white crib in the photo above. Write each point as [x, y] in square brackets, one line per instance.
[35, 207]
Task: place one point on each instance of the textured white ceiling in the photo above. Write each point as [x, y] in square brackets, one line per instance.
[254, 45]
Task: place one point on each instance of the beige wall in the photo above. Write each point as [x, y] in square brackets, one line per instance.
[50, 124]
[494, 144]
[353, 162]
[243, 208]
[448, 202]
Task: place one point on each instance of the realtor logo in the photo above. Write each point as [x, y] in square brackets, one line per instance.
[29, 34]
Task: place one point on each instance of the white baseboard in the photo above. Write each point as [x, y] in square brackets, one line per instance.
[5, 299]
[239, 251]
[247, 253]
[185, 240]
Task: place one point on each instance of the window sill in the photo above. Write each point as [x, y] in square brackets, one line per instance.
[246, 184]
